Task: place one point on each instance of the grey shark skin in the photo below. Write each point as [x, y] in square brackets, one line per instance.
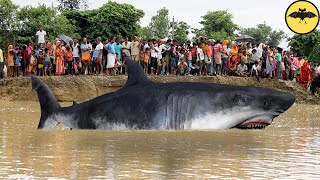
[142, 104]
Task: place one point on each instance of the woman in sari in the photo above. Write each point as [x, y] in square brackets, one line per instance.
[10, 60]
[234, 53]
[59, 59]
[305, 76]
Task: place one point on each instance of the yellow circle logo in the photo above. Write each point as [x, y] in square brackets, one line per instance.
[302, 17]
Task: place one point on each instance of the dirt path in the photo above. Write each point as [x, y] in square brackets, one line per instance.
[82, 88]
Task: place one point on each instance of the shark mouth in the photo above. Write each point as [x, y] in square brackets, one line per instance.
[258, 122]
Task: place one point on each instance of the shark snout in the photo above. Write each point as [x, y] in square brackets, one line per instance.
[284, 101]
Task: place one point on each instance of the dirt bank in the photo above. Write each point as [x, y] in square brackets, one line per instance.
[82, 88]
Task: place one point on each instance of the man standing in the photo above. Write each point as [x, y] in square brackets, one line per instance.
[85, 57]
[126, 45]
[41, 36]
[135, 50]
[97, 55]
[111, 56]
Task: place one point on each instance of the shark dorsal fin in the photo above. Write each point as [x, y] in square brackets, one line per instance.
[136, 74]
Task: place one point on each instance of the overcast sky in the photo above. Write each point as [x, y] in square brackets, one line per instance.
[247, 13]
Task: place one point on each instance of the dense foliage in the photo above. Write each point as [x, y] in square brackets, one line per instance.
[21, 24]
[304, 44]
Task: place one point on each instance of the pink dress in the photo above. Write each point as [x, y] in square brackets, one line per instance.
[217, 53]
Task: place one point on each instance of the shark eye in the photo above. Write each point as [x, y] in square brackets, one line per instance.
[242, 100]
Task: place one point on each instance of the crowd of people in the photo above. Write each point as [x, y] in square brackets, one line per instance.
[206, 57]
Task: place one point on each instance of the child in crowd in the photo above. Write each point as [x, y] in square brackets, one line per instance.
[183, 66]
[5, 71]
[37, 51]
[146, 60]
[17, 63]
[25, 60]
[47, 63]
[40, 63]
[254, 70]
[233, 69]
[33, 64]
[141, 57]
[69, 57]
[75, 67]
[162, 66]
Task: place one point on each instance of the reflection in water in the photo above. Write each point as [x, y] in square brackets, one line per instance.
[286, 149]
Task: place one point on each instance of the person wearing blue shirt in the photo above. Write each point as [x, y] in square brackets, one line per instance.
[111, 56]
[118, 49]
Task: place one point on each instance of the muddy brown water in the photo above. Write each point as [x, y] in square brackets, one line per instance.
[288, 149]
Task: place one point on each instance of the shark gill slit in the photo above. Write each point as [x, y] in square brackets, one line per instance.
[179, 111]
[190, 111]
[175, 108]
[169, 112]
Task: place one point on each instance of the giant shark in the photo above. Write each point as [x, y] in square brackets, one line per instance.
[143, 104]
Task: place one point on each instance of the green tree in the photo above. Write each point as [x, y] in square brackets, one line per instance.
[114, 19]
[30, 18]
[8, 22]
[315, 53]
[160, 23]
[69, 5]
[81, 20]
[218, 24]
[145, 32]
[222, 35]
[198, 32]
[304, 44]
[264, 33]
[181, 31]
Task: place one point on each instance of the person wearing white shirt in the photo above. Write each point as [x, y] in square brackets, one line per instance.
[161, 50]
[126, 47]
[200, 58]
[97, 55]
[41, 36]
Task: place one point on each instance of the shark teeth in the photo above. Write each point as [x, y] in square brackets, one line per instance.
[256, 126]
[259, 122]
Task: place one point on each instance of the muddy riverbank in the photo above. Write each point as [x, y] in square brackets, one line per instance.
[82, 88]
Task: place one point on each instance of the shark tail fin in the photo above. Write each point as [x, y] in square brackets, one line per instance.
[136, 74]
[48, 103]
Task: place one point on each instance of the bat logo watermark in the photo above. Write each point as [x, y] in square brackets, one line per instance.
[302, 17]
